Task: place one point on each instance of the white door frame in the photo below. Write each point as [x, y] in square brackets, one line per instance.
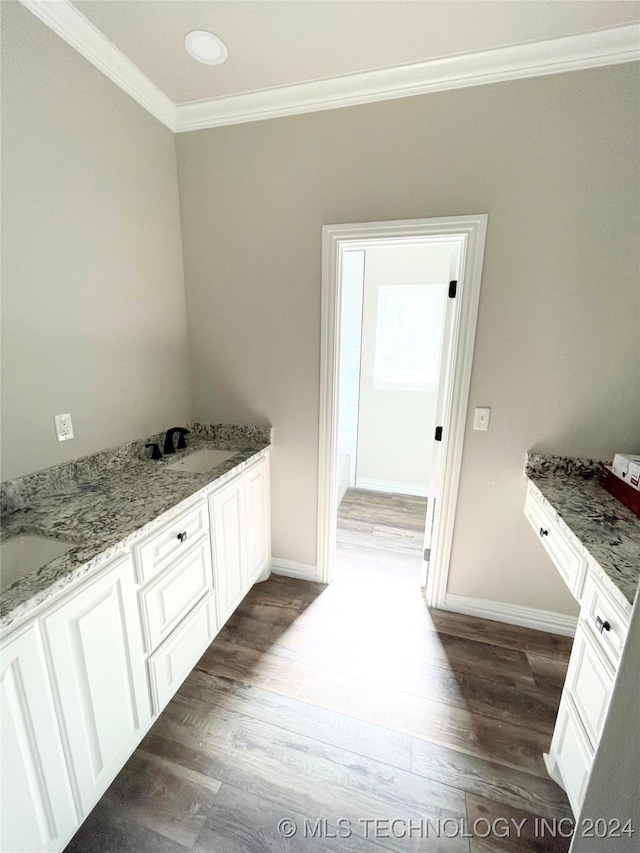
[471, 232]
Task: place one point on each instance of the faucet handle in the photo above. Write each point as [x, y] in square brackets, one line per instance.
[155, 451]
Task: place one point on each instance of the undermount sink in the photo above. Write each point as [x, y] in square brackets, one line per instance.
[202, 460]
[22, 555]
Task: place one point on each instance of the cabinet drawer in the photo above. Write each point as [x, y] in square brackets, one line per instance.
[172, 595]
[573, 752]
[589, 682]
[156, 552]
[598, 609]
[568, 561]
[174, 660]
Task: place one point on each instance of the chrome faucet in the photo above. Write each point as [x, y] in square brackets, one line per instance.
[168, 442]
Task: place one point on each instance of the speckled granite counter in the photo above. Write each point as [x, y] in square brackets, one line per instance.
[604, 529]
[107, 501]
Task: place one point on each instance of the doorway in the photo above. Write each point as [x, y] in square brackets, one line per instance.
[458, 243]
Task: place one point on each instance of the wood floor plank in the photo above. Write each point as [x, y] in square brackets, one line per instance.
[487, 779]
[312, 777]
[413, 638]
[387, 668]
[497, 633]
[167, 798]
[483, 737]
[297, 680]
[107, 830]
[243, 823]
[510, 830]
[303, 718]
[549, 673]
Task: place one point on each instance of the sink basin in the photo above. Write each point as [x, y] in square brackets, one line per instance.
[202, 460]
[27, 553]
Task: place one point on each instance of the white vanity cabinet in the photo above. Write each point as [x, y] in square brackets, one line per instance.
[83, 678]
[600, 636]
[258, 508]
[95, 645]
[38, 812]
[240, 536]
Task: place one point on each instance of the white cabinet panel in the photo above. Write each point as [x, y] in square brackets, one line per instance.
[229, 547]
[171, 596]
[573, 753]
[175, 659]
[38, 813]
[96, 649]
[570, 563]
[601, 612]
[157, 552]
[258, 497]
[589, 682]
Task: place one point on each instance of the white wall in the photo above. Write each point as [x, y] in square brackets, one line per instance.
[396, 426]
[553, 162]
[350, 346]
[93, 307]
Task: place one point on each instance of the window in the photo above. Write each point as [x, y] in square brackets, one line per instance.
[408, 336]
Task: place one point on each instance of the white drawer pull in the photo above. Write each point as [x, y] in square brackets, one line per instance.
[602, 625]
[182, 536]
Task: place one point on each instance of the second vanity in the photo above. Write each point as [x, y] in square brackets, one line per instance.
[594, 542]
[96, 643]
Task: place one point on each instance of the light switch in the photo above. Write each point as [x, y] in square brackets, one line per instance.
[481, 418]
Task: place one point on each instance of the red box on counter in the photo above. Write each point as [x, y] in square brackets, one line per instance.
[620, 490]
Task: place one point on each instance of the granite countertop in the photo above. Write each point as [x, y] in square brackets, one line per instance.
[606, 531]
[110, 504]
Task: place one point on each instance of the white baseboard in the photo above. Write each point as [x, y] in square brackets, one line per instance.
[391, 486]
[291, 569]
[512, 614]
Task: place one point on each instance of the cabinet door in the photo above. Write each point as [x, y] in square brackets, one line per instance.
[229, 547]
[37, 805]
[96, 648]
[572, 752]
[258, 496]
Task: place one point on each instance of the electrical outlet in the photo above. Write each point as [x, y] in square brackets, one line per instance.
[64, 427]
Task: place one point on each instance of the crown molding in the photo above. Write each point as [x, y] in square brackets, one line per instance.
[572, 53]
[72, 26]
[554, 56]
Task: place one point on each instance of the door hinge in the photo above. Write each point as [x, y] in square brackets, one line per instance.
[438, 435]
[427, 555]
[453, 289]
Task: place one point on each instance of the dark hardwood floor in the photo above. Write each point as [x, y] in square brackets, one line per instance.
[352, 703]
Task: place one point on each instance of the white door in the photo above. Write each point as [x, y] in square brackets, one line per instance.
[258, 498]
[229, 546]
[96, 649]
[38, 813]
[444, 391]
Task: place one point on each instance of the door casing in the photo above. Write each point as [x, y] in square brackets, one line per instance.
[470, 232]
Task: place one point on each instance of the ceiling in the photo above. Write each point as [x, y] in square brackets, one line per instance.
[284, 42]
[294, 56]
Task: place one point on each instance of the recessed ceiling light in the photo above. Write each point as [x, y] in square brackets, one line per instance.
[205, 47]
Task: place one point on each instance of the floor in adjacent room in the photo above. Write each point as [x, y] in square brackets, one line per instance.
[353, 703]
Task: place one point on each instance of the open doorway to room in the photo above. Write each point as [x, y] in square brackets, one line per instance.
[399, 311]
[392, 317]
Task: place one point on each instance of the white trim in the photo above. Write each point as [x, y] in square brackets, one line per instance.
[515, 62]
[512, 614]
[291, 569]
[391, 486]
[537, 59]
[72, 26]
[468, 232]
